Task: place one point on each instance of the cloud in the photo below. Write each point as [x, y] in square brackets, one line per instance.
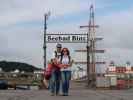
[21, 27]
[118, 33]
[117, 28]
[17, 11]
[22, 43]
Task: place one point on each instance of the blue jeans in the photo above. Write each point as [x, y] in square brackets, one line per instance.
[55, 82]
[65, 77]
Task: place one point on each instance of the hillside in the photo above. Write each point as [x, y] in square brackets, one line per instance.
[12, 66]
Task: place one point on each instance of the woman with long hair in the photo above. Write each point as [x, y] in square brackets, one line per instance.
[65, 70]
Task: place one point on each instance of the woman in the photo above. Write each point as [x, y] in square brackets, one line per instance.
[47, 74]
[55, 78]
[65, 70]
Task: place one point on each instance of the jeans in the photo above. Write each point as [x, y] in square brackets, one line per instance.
[55, 82]
[65, 77]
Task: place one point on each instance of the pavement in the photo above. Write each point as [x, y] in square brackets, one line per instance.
[76, 94]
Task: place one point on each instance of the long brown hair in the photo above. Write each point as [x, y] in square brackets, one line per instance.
[62, 54]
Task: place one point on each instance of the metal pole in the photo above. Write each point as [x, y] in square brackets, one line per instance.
[88, 64]
[88, 53]
[44, 45]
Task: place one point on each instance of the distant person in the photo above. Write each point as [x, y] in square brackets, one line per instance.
[65, 70]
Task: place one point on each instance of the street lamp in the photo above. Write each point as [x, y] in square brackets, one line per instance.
[46, 16]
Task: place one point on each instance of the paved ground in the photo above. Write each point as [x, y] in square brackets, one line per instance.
[76, 94]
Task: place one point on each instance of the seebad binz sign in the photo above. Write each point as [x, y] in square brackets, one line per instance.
[66, 38]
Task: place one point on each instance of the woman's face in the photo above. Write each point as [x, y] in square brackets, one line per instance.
[65, 52]
[55, 61]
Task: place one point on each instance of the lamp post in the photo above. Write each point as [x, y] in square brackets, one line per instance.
[46, 15]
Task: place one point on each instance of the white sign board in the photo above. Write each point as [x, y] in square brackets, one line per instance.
[66, 38]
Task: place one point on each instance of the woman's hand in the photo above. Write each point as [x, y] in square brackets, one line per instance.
[64, 65]
[72, 61]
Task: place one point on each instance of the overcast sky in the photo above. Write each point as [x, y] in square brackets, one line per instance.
[21, 26]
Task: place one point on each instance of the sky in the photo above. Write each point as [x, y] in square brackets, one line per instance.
[21, 27]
